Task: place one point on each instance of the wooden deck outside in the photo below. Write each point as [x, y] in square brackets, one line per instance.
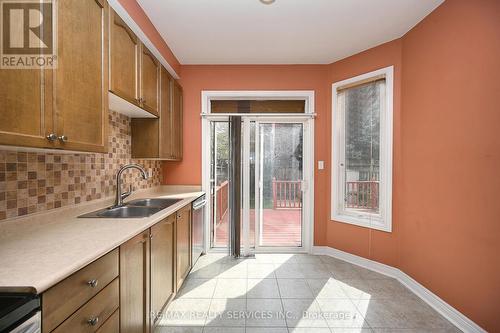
[281, 227]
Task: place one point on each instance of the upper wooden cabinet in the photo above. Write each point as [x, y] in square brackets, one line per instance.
[23, 121]
[161, 138]
[134, 71]
[150, 81]
[124, 60]
[80, 80]
[65, 107]
[177, 108]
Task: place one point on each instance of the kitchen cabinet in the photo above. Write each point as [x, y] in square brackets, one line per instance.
[23, 121]
[80, 80]
[134, 71]
[161, 138]
[162, 264]
[112, 325]
[122, 289]
[183, 244]
[65, 107]
[177, 110]
[166, 117]
[93, 314]
[150, 81]
[124, 60]
[134, 285]
[63, 299]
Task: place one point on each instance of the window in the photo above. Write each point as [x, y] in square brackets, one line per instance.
[362, 150]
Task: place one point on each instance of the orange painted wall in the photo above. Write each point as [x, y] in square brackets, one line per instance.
[373, 244]
[194, 79]
[449, 221]
[138, 15]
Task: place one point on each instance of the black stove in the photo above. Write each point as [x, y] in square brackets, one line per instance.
[16, 308]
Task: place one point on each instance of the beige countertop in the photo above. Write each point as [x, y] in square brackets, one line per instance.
[39, 250]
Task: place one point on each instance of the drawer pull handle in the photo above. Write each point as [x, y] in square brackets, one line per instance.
[93, 283]
[93, 321]
[52, 137]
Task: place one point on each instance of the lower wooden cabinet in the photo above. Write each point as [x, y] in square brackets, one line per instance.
[134, 285]
[162, 265]
[66, 297]
[94, 313]
[112, 325]
[183, 243]
[126, 289]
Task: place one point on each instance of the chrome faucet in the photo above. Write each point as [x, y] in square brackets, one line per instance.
[119, 195]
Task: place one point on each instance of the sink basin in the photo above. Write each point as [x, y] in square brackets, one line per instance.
[163, 203]
[134, 209]
[124, 212]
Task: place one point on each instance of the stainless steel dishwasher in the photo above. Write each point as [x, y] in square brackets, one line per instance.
[198, 228]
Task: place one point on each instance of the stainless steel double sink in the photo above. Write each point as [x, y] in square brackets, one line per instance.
[134, 209]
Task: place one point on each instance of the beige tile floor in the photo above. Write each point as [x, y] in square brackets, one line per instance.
[287, 293]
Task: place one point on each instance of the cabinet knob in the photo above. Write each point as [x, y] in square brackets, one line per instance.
[63, 138]
[93, 283]
[93, 321]
[52, 137]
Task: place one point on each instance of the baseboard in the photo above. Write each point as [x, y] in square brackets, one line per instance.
[453, 315]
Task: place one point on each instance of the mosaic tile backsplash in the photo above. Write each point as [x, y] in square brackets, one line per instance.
[38, 181]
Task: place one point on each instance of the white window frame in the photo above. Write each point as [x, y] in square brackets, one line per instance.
[383, 220]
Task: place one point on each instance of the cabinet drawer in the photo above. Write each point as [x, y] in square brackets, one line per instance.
[112, 325]
[60, 301]
[93, 314]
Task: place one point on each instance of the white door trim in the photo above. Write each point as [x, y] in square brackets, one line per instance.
[308, 200]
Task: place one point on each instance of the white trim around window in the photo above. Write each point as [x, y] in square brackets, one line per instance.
[383, 219]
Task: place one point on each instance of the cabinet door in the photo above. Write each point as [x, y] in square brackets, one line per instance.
[134, 285]
[23, 120]
[166, 125]
[150, 79]
[177, 121]
[162, 264]
[124, 60]
[80, 81]
[183, 242]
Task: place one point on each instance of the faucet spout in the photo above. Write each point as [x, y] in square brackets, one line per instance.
[119, 195]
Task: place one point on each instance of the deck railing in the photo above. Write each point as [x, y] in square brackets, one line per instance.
[362, 194]
[287, 194]
[222, 192]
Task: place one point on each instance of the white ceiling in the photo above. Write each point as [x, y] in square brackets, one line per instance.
[286, 32]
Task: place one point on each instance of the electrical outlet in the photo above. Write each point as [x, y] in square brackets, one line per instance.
[150, 172]
[321, 165]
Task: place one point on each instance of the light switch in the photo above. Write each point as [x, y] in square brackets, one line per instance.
[321, 165]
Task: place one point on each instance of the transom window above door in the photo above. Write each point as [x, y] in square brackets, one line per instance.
[258, 106]
[362, 150]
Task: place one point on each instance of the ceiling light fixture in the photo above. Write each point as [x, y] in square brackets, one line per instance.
[267, 2]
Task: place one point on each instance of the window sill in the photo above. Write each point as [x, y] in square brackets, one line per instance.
[377, 224]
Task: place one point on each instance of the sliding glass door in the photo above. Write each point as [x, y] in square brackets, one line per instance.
[272, 184]
[219, 183]
[281, 179]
